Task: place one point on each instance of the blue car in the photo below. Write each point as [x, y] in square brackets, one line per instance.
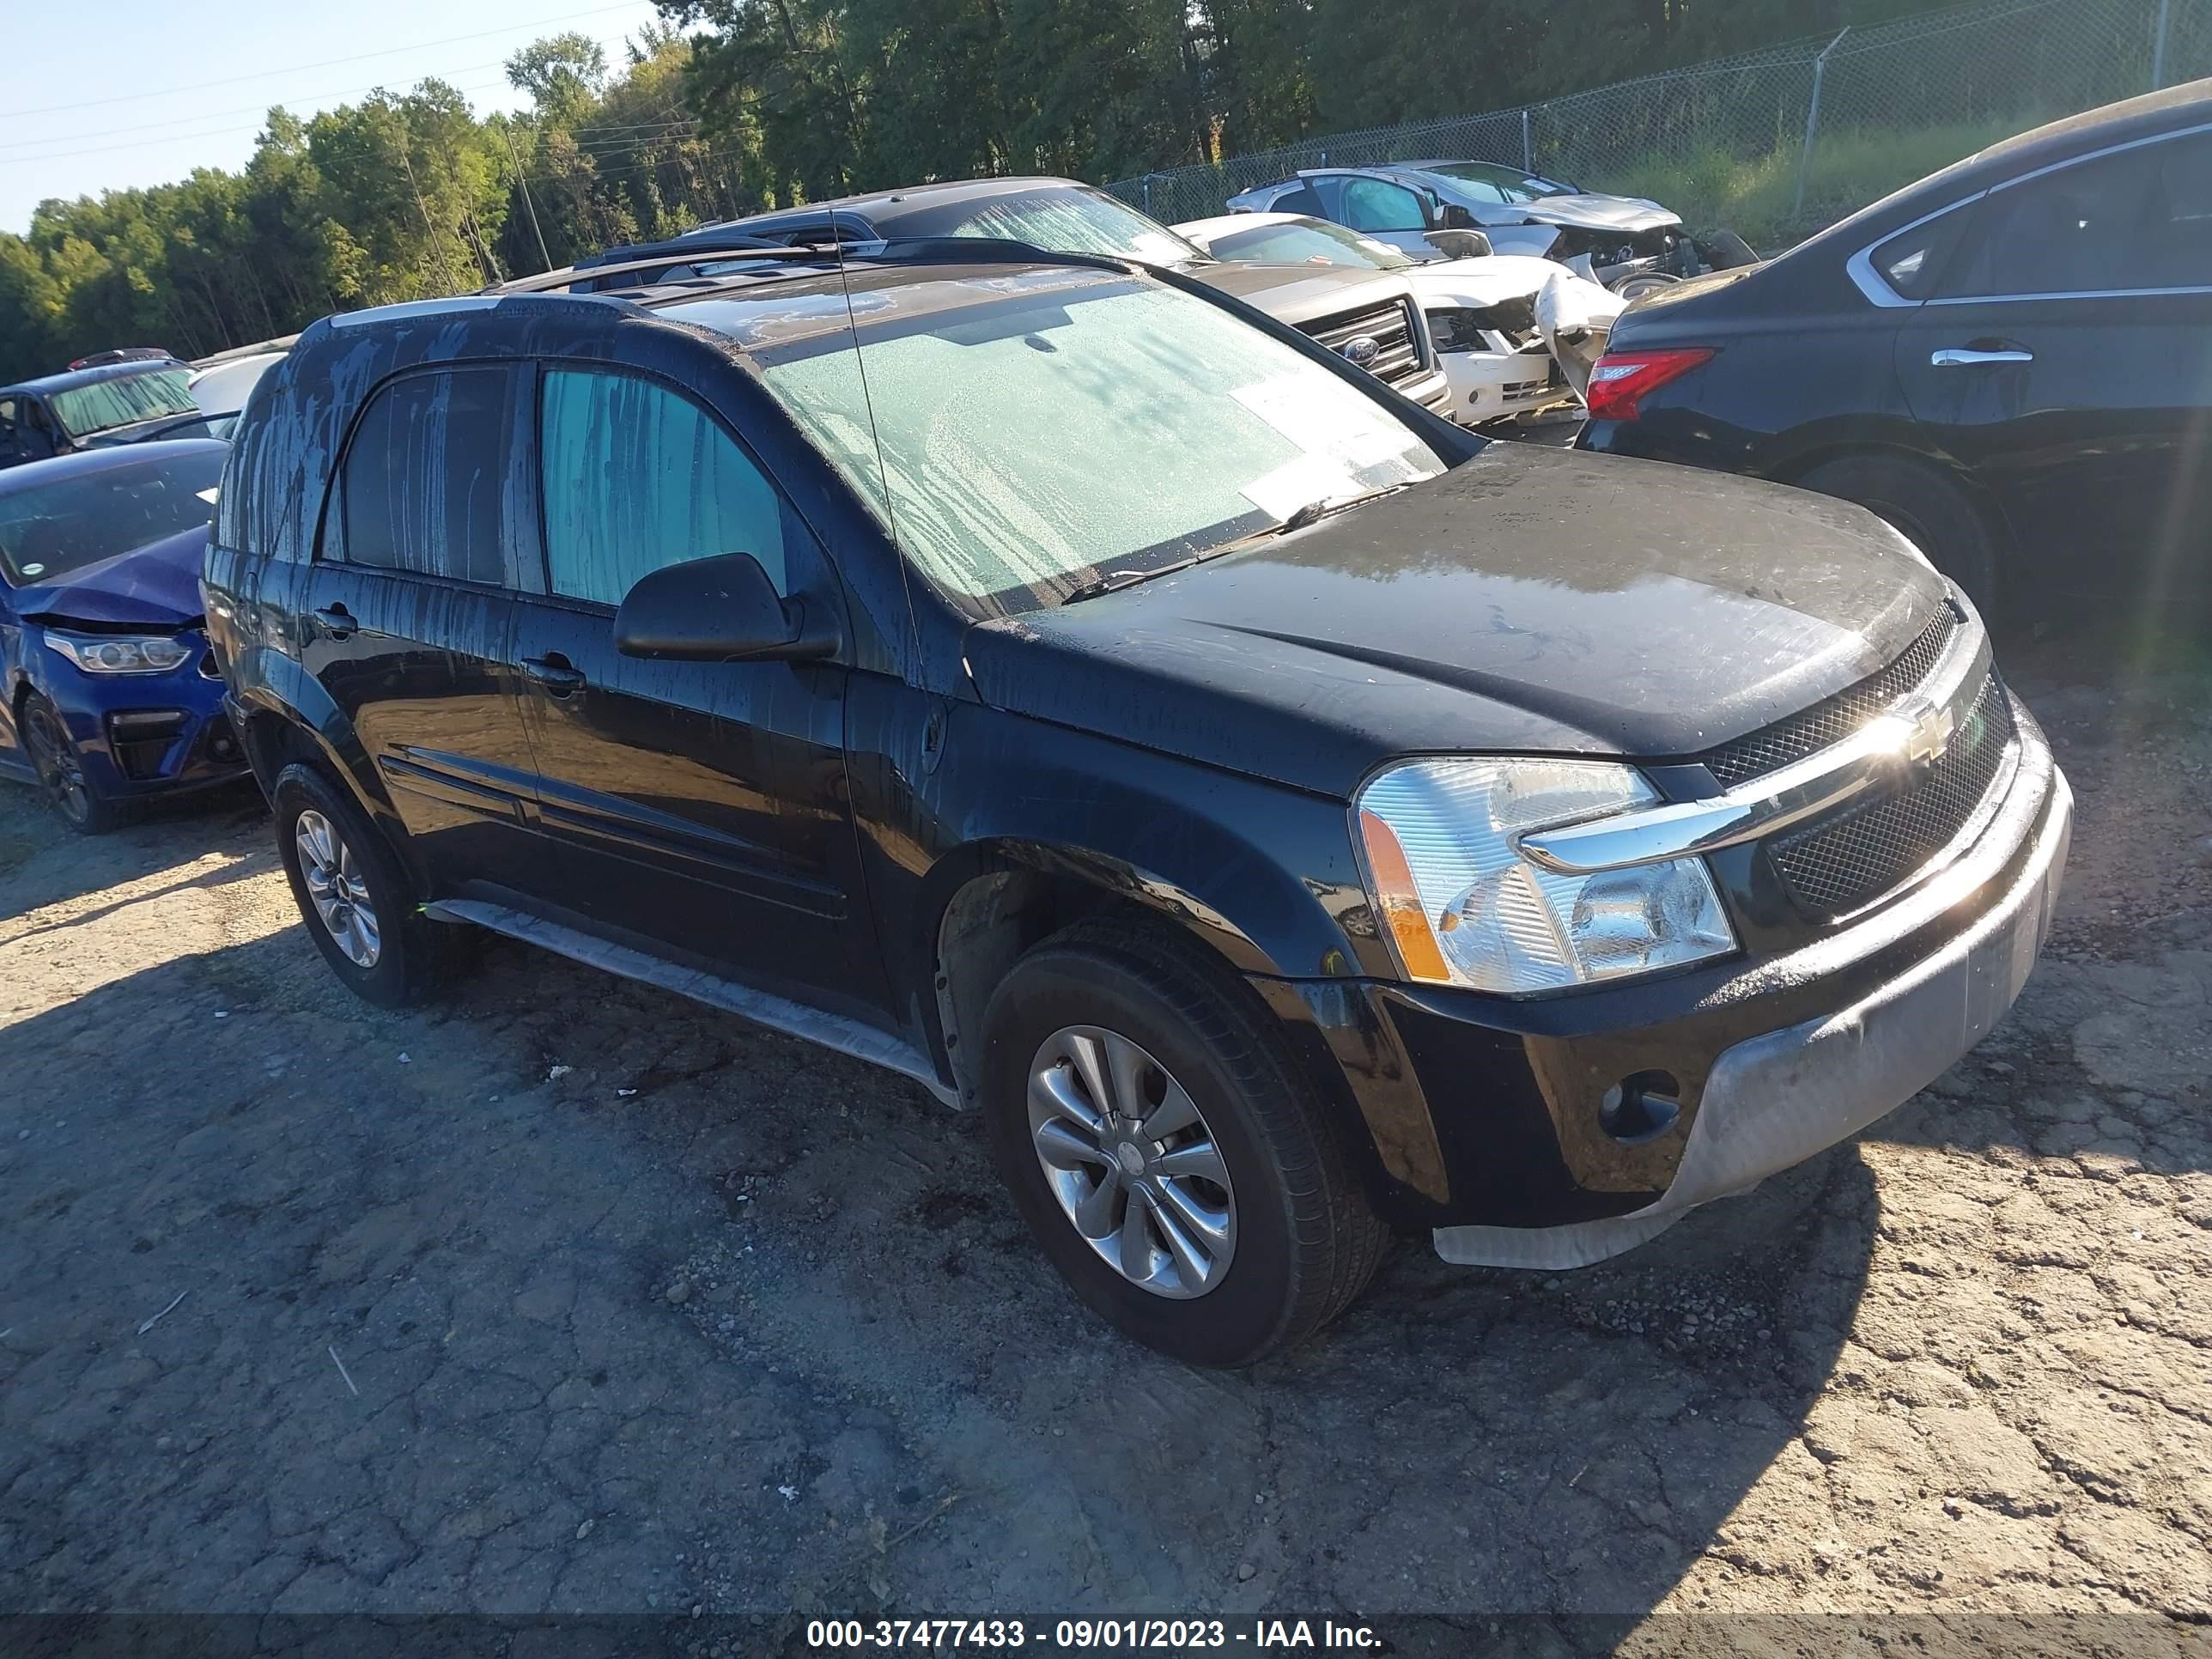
[111, 695]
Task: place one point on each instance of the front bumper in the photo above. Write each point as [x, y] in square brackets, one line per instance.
[1773, 1101]
[148, 734]
[1485, 385]
[1484, 1118]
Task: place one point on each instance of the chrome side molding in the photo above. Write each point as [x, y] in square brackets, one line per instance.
[1915, 732]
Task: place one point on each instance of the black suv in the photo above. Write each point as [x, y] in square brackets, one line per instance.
[1284, 816]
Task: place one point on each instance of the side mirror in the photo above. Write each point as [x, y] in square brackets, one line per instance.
[719, 610]
[1453, 217]
[1460, 244]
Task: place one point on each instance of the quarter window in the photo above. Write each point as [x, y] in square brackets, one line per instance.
[2138, 218]
[638, 477]
[425, 476]
[1372, 204]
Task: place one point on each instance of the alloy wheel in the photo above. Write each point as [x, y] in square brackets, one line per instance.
[335, 885]
[61, 773]
[1131, 1161]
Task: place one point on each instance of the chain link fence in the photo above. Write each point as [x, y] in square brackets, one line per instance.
[1789, 138]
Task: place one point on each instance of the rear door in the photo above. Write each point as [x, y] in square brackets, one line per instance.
[2064, 355]
[407, 611]
[700, 806]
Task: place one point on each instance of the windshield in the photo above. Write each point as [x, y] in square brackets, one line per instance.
[223, 389]
[1504, 184]
[105, 405]
[1065, 218]
[1309, 242]
[1039, 429]
[50, 530]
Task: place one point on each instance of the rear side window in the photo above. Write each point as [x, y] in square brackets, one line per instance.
[1913, 262]
[2138, 218]
[425, 475]
[1301, 200]
[638, 476]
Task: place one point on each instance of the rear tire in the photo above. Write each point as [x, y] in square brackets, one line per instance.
[358, 903]
[1928, 510]
[1283, 1234]
[63, 780]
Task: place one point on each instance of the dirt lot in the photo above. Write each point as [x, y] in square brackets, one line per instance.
[571, 1297]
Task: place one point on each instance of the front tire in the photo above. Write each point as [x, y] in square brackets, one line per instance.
[358, 903]
[1928, 510]
[63, 778]
[1173, 1162]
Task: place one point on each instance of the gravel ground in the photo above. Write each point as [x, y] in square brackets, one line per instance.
[569, 1297]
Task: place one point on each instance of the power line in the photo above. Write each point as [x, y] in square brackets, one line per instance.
[327, 62]
[261, 109]
[174, 137]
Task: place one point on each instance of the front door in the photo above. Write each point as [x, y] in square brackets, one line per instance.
[700, 807]
[2065, 358]
[406, 613]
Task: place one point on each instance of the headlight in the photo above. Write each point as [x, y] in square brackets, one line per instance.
[121, 653]
[1462, 907]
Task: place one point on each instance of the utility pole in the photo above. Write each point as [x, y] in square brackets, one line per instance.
[436, 247]
[526, 202]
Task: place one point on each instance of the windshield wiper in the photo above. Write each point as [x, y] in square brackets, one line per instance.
[1312, 512]
[1114, 581]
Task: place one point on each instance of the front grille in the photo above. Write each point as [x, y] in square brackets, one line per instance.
[1854, 856]
[1833, 719]
[1398, 355]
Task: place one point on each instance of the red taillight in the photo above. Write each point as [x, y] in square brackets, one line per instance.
[1621, 377]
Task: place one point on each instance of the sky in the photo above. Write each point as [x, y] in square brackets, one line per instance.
[104, 94]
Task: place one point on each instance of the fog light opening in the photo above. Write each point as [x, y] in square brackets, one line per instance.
[1641, 1107]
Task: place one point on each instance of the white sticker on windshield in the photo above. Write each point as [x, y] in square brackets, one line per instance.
[1300, 483]
[209, 494]
[1288, 406]
[34, 570]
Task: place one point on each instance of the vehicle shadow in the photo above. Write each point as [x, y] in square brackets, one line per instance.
[43, 862]
[803, 1278]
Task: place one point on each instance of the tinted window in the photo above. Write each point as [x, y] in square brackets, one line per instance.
[1301, 200]
[637, 477]
[1371, 204]
[2139, 218]
[426, 473]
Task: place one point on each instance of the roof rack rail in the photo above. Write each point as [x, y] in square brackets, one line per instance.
[747, 248]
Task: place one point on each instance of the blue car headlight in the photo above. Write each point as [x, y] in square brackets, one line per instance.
[121, 653]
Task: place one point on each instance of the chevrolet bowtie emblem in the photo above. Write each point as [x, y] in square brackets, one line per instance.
[1930, 737]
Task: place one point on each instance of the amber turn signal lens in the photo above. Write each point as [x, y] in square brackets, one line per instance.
[1393, 882]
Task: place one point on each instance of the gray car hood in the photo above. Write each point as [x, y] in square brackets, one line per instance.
[1593, 213]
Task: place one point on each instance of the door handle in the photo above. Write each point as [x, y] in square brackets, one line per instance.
[555, 674]
[1967, 356]
[337, 621]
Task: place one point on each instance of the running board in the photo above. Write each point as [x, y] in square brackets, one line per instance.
[847, 1036]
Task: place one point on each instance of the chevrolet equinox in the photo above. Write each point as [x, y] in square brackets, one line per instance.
[1283, 815]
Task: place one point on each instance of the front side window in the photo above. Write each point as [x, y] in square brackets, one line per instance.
[637, 477]
[2138, 218]
[1316, 243]
[1372, 204]
[105, 405]
[425, 478]
[1047, 427]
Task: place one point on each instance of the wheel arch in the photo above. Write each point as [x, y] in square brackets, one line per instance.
[1798, 463]
[275, 733]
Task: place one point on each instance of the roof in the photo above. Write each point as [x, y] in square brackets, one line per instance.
[30, 475]
[70, 380]
[888, 206]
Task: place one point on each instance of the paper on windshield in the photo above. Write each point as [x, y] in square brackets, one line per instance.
[1295, 483]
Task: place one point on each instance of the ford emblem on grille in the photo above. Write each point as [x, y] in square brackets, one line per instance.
[1361, 351]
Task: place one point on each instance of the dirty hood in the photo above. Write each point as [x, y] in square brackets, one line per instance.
[156, 586]
[1527, 601]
